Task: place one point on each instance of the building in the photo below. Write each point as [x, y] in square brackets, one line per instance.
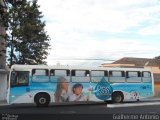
[154, 64]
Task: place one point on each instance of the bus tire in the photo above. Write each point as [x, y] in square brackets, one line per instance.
[42, 99]
[117, 97]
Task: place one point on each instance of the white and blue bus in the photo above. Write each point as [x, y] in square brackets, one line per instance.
[42, 84]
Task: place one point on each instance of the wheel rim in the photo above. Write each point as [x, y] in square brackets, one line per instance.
[118, 98]
[42, 100]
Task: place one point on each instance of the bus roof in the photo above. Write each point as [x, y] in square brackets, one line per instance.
[29, 67]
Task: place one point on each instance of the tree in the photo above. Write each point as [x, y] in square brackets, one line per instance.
[27, 40]
[157, 57]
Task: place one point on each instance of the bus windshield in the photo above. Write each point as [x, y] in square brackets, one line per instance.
[19, 78]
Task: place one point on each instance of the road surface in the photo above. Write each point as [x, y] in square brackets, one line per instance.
[133, 110]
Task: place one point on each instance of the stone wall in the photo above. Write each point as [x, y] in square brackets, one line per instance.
[3, 85]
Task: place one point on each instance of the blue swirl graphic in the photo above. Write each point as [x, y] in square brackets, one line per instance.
[103, 90]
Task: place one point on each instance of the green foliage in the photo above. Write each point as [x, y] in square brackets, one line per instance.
[27, 40]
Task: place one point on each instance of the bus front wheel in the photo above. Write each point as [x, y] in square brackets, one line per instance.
[42, 99]
[117, 97]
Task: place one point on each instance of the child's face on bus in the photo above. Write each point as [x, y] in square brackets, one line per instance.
[65, 86]
[78, 90]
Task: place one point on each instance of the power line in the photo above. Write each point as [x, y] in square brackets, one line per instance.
[96, 59]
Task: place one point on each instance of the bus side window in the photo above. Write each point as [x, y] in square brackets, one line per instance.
[81, 73]
[47, 72]
[123, 74]
[106, 73]
[14, 78]
[99, 75]
[68, 72]
[87, 73]
[110, 73]
[73, 73]
[33, 72]
[117, 73]
[44, 72]
[133, 76]
[127, 76]
[40, 75]
[52, 72]
[80, 76]
[116, 76]
[23, 78]
[146, 74]
[19, 78]
[139, 74]
[56, 74]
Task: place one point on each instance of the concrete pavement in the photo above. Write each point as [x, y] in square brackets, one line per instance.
[3, 103]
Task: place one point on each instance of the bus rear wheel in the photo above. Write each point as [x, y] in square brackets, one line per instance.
[117, 97]
[42, 99]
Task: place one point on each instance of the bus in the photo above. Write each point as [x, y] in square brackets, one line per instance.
[43, 85]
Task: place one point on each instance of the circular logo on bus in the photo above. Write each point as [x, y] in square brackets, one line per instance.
[103, 90]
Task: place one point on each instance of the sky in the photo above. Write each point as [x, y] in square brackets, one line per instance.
[101, 29]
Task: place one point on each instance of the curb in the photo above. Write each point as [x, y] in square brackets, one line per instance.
[120, 105]
[5, 104]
